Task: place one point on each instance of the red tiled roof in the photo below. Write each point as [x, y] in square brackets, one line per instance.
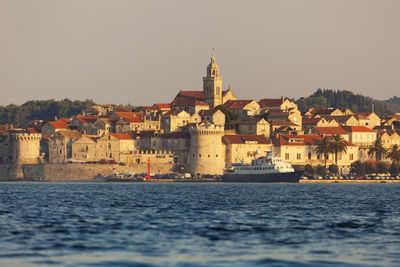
[243, 138]
[91, 138]
[187, 102]
[236, 104]
[190, 94]
[270, 102]
[358, 129]
[330, 130]
[124, 114]
[307, 120]
[147, 108]
[163, 105]
[122, 136]
[302, 140]
[31, 130]
[173, 112]
[59, 124]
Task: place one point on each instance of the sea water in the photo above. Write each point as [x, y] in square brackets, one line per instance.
[189, 224]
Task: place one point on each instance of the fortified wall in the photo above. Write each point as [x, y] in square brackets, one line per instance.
[24, 149]
[207, 153]
[77, 172]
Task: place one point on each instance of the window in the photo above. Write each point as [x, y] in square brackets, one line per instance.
[87, 149]
[286, 156]
[298, 156]
[309, 155]
[351, 156]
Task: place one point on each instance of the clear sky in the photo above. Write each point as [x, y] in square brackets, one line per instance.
[143, 52]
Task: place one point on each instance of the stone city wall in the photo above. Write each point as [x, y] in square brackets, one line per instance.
[76, 172]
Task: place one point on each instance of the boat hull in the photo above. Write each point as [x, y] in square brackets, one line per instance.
[286, 177]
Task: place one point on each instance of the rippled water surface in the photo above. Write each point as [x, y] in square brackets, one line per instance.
[184, 224]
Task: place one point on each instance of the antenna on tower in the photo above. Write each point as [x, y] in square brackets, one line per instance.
[212, 53]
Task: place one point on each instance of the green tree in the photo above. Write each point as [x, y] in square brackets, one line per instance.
[309, 170]
[394, 169]
[320, 170]
[338, 145]
[324, 148]
[394, 154]
[229, 115]
[377, 149]
[381, 168]
[357, 168]
[333, 169]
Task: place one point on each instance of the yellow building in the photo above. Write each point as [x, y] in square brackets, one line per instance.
[174, 119]
[243, 148]
[301, 150]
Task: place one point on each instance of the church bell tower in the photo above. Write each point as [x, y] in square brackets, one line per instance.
[212, 85]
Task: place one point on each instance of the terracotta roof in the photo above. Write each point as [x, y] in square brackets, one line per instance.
[122, 136]
[358, 129]
[59, 124]
[330, 130]
[124, 114]
[174, 112]
[236, 104]
[163, 105]
[31, 130]
[301, 140]
[190, 94]
[133, 120]
[270, 102]
[66, 120]
[187, 102]
[243, 138]
[307, 120]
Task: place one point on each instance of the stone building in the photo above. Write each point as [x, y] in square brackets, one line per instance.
[174, 119]
[60, 145]
[54, 126]
[243, 108]
[243, 148]
[300, 150]
[257, 126]
[207, 152]
[214, 116]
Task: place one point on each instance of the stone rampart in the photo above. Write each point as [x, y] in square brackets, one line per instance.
[76, 172]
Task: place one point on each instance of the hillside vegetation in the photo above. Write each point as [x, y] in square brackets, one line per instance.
[42, 109]
[347, 99]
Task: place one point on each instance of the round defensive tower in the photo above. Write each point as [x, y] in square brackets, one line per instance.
[25, 150]
[207, 153]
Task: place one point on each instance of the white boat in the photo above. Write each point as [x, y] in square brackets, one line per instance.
[269, 169]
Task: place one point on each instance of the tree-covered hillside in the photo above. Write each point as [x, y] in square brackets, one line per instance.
[42, 110]
[347, 99]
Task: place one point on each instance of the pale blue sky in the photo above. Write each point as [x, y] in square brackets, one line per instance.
[142, 52]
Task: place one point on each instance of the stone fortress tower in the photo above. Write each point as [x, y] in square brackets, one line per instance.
[207, 153]
[25, 149]
[212, 85]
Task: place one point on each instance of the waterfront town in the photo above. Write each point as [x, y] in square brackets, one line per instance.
[205, 132]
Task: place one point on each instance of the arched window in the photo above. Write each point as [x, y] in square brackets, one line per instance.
[309, 155]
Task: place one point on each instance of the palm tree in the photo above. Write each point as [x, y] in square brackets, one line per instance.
[394, 154]
[323, 148]
[338, 145]
[377, 149]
